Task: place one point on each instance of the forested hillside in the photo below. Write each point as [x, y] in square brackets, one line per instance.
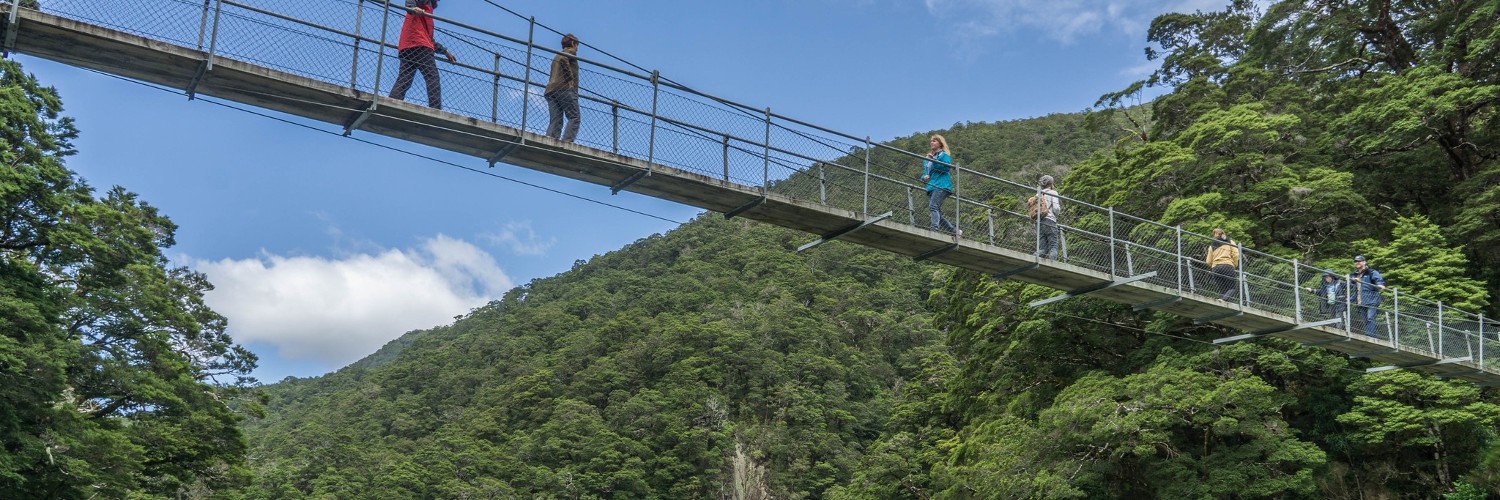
[701, 363]
[1316, 130]
[715, 362]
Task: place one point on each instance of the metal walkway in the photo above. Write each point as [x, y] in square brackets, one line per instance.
[328, 60]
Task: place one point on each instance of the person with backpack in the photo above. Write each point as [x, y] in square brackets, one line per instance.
[1043, 208]
[416, 49]
[1223, 261]
[562, 91]
[936, 171]
[1367, 283]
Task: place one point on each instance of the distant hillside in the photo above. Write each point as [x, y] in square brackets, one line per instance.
[706, 361]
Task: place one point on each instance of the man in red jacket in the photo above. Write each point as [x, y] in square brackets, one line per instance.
[416, 50]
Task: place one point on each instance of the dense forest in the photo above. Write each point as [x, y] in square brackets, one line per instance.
[714, 361]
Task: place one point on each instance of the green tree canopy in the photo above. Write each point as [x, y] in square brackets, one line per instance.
[116, 377]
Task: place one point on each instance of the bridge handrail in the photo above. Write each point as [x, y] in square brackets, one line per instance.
[1101, 238]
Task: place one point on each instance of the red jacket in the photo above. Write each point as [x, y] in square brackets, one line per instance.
[416, 30]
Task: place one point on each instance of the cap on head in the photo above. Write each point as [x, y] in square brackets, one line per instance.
[1046, 181]
[1359, 258]
[569, 40]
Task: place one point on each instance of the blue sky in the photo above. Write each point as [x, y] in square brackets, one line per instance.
[324, 248]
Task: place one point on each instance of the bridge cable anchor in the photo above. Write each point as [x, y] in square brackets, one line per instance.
[1273, 331]
[357, 120]
[1416, 364]
[1156, 303]
[1012, 272]
[615, 189]
[837, 233]
[745, 208]
[1093, 288]
[503, 152]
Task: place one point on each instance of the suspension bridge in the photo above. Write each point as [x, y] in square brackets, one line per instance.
[329, 60]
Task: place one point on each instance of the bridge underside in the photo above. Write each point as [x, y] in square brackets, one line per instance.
[131, 56]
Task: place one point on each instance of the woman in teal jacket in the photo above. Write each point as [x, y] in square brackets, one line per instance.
[936, 173]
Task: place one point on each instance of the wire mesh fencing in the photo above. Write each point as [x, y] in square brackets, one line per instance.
[500, 76]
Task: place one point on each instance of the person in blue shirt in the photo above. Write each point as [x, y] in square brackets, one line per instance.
[1367, 284]
[936, 170]
[1330, 292]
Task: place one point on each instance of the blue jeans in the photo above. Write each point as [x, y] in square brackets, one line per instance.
[1369, 313]
[935, 199]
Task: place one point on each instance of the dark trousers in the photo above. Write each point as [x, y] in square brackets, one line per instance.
[1229, 284]
[562, 104]
[419, 59]
[1335, 311]
[1047, 239]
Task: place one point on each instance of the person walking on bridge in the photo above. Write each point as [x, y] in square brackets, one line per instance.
[416, 50]
[936, 173]
[1047, 206]
[1367, 283]
[1224, 260]
[562, 91]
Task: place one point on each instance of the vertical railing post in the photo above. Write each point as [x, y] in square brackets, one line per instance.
[958, 199]
[202, 21]
[1440, 352]
[12, 24]
[1181, 260]
[1242, 287]
[495, 98]
[1348, 305]
[1297, 289]
[655, 98]
[726, 157]
[359, 17]
[1396, 319]
[766, 174]
[1036, 222]
[989, 214]
[1113, 270]
[614, 127]
[385, 23]
[213, 40]
[526, 79]
[866, 195]
[822, 185]
[1481, 341]
[911, 209]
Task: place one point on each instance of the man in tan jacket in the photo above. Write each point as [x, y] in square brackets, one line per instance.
[562, 91]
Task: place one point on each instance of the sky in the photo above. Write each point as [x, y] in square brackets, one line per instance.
[322, 249]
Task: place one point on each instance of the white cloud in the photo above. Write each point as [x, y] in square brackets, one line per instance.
[521, 239]
[338, 310]
[1060, 20]
[1141, 70]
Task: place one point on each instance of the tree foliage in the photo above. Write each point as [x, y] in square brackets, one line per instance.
[713, 360]
[117, 379]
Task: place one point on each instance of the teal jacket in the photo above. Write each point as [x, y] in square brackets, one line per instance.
[937, 172]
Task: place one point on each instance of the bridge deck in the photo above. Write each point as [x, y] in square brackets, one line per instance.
[86, 45]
